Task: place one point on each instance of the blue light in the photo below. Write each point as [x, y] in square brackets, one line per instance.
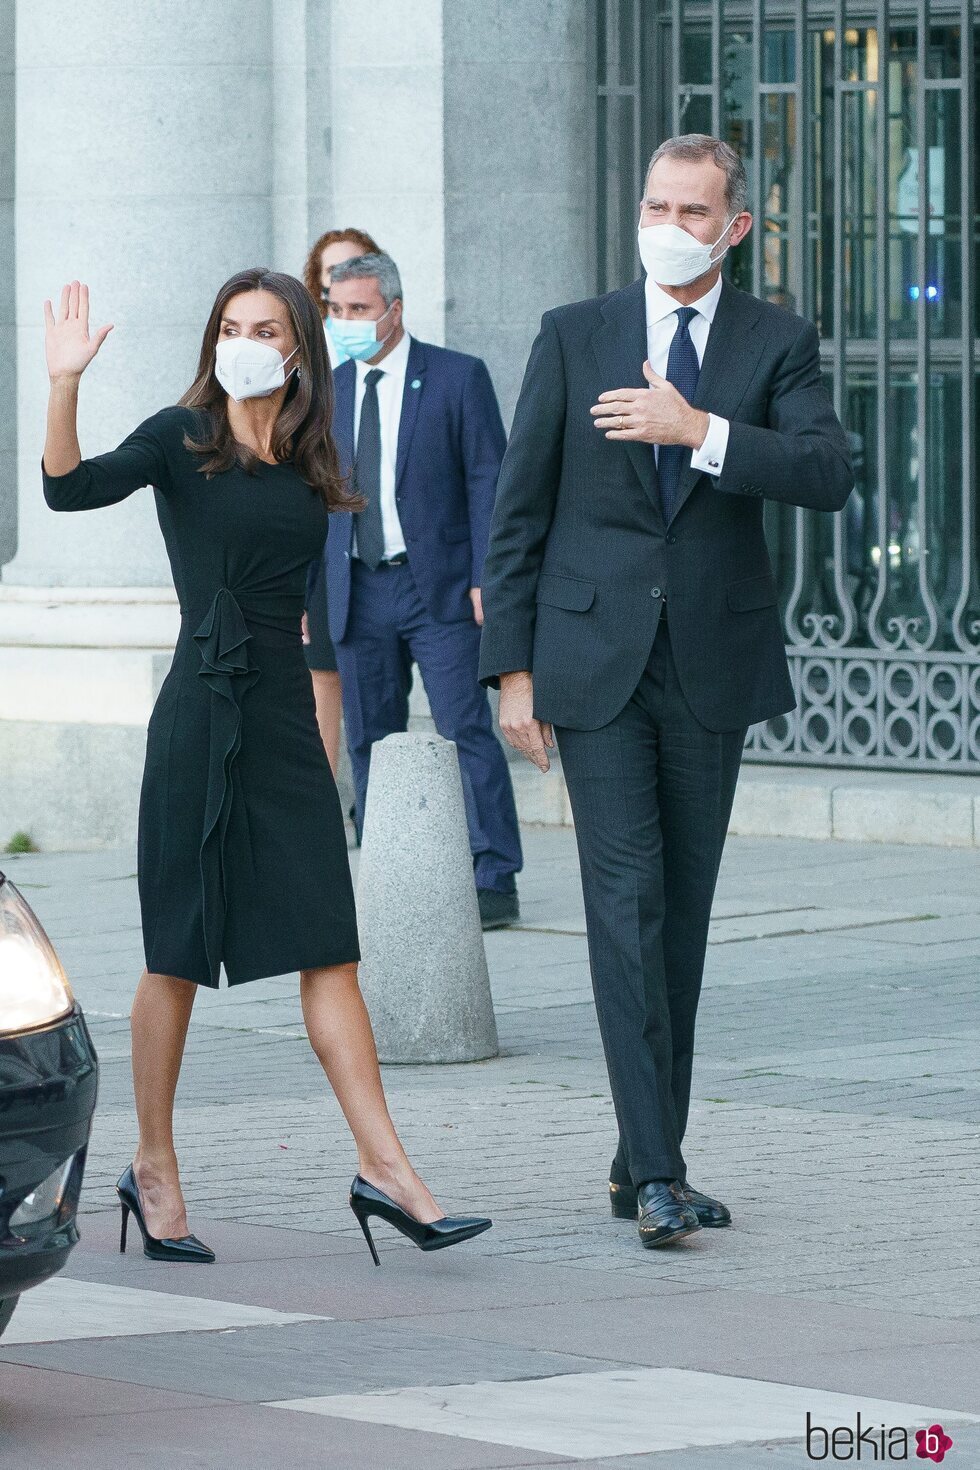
[932, 292]
[913, 293]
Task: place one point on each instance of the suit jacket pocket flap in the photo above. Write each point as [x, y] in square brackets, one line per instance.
[569, 592]
[751, 593]
[456, 533]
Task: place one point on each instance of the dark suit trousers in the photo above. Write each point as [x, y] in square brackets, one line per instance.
[390, 629]
[651, 795]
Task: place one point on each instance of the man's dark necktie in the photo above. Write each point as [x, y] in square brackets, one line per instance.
[367, 475]
[682, 370]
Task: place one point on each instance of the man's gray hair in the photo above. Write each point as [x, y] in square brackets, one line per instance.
[692, 148]
[361, 267]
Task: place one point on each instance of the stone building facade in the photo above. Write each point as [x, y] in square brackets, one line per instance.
[153, 149]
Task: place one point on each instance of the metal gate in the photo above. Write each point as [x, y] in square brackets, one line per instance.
[858, 125]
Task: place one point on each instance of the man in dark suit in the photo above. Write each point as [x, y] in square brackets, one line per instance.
[631, 612]
[420, 429]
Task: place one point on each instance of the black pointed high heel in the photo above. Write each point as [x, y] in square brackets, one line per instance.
[365, 1201]
[187, 1248]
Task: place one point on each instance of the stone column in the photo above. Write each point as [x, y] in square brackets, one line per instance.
[144, 167]
[319, 124]
[290, 225]
[518, 164]
[517, 217]
[424, 969]
[386, 69]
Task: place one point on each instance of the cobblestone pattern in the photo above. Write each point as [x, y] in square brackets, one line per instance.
[837, 1083]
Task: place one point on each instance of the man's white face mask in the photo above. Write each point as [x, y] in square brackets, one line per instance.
[673, 257]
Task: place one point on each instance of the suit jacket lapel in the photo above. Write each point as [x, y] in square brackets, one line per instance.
[731, 353]
[733, 349]
[342, 525]
[620, 346]
[411, 396]
[343, 410]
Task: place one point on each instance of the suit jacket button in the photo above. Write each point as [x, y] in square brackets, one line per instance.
[671, 539]
[656, 592]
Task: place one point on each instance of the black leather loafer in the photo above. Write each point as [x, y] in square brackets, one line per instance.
[710, 1212]
[623, 1201]
[665, 1215]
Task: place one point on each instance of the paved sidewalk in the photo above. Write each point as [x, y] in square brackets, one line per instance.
[837, 1106]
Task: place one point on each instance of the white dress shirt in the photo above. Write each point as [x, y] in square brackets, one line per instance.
[661, 326]
[390, 388]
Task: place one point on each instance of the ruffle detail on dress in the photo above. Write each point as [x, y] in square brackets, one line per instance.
[223, 640]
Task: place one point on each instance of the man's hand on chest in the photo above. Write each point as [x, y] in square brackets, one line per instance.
[657, 414]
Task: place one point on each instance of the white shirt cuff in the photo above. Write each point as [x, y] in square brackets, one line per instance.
[711, 456]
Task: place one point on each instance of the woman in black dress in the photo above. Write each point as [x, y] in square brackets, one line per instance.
[242, 852]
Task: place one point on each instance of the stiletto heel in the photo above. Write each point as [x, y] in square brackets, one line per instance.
[366, 1200]
[186, 1248]
[362, 1221]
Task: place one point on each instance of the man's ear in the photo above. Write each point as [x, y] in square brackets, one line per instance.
[741, 227]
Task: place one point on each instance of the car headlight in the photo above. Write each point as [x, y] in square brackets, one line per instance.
[33, 987]
[47, 1200]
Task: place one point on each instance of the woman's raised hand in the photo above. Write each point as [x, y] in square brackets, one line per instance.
[67, 343]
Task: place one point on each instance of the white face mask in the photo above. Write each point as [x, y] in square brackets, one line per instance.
[249, 369]
[672, 257]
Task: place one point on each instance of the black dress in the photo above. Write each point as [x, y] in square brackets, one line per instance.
[242, 850]
[321, 656]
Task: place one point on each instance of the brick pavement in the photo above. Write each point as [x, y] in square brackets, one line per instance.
[837, 1099]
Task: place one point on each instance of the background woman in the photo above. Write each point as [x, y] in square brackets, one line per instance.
[325, 253]
[329, 250]
[242, 853]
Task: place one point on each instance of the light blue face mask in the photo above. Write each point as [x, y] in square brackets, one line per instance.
[358, 339]
[336, 353]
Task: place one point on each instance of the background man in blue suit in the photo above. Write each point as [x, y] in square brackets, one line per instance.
[420, 429]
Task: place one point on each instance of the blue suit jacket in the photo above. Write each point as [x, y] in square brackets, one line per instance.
[450, 444]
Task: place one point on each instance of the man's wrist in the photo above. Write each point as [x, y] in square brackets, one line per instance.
[700, 423]
[515, 678]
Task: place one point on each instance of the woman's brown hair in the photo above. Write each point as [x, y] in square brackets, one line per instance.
[312, 271]
[302, 430]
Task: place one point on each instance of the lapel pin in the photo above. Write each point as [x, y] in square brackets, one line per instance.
[416, 382]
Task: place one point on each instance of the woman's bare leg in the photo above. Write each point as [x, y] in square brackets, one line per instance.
[326, 692]
[160, 1016]
[340, 1033]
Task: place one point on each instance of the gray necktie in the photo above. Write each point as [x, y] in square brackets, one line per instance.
[367, 475]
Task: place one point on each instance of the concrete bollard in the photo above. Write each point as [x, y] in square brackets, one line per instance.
[424, 970]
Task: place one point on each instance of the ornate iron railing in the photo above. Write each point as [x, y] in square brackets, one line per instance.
[858, 125]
